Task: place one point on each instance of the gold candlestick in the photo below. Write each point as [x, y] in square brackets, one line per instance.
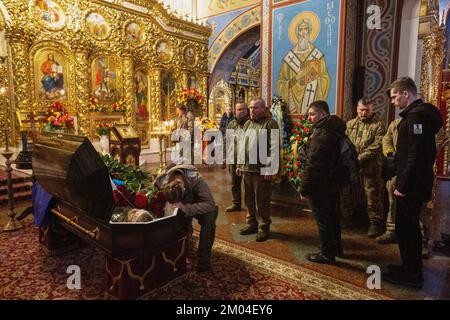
[13, 224]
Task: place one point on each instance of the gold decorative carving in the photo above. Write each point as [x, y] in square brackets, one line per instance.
[27, 34]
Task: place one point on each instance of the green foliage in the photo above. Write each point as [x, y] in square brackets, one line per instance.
[135, 178]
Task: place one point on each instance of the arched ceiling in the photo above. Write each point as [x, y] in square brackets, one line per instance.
[236, 50]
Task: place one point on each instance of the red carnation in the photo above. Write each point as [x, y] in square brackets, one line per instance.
[140, 200]
[300, 175]
[291, 174]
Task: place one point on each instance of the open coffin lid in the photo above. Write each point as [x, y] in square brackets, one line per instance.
[70, 169]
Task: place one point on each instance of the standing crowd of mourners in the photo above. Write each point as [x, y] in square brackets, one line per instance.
[400, 158]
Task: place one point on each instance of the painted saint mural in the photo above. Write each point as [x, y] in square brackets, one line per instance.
[135, 34]
[97, 25]
[305, 69]
[141, 95]
[49, 14]
[50, 71]
[104, 79]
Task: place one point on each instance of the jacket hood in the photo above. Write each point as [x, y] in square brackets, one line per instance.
[427, 110]
[332, 122]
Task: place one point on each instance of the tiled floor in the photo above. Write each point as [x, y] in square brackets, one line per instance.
[293, 234]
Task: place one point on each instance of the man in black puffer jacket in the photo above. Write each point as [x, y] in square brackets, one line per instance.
[416, 152]
[318, 183]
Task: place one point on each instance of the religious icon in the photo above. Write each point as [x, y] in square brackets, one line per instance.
[104, 79]
[135, 34]
[189, 55]
[97, 25]
[141, 90]
[50, 71]
[164, 51]
[303, 76]
[193, 81]
[49, 14]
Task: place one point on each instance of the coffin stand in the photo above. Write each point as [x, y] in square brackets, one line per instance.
[139, 256]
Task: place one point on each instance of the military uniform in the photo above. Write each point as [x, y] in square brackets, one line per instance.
[366, 135]
[257, 190]
[236, 180]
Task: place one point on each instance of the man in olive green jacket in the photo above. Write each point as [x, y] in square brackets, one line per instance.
[258, 186]
[241, 117]
[366, 132]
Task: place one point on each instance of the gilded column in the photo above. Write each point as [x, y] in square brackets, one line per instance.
[155, 97]
[5, 105]
[185, 79]
[130, 115]
[82, 72]
[21, 70]
[203, 88]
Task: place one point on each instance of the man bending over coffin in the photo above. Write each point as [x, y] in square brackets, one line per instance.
[185, 189]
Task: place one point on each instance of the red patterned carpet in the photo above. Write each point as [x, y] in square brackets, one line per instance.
[238, 273]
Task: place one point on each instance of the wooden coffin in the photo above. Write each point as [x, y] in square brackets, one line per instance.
[70, 169]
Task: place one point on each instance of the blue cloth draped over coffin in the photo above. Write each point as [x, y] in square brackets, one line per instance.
[41, 201]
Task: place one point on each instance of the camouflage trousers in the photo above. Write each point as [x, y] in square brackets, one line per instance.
[257, 199]
[373, 199]
[390, 221]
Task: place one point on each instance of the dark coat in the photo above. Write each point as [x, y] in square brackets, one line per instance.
[416, 149]
[225, 121]
[321, 153]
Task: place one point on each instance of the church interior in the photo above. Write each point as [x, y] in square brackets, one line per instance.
[90, 93]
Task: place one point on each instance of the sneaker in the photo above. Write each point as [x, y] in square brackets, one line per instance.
[404, 279]
[374, 231]
[387, 238]
[249, 230]
[320, 258]
[262, 235]
[233, 207]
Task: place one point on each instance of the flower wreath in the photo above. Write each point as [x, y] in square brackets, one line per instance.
[293, 166]
[190, 94]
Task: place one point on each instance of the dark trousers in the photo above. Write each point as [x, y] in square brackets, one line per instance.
[235, 186]
[207, 224]
[407, 229]
[323, 205]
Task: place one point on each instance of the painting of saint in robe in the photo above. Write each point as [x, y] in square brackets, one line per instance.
[50, 67]
[105, 79]
[164, 51]
[49, 14]
[303, 76]
[141, 90]
[135, 35]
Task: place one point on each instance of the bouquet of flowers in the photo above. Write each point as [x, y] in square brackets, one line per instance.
[94, 105]
[293, 165]
[119, 106]
[58, 118]
[205, 123]
[134, 187]
[103, 129]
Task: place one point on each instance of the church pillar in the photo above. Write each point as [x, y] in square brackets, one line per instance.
[203, 88]
[21, 83]
[82, 72]
[130, 114]
[185, 79]
[155, 97]
[6, 114]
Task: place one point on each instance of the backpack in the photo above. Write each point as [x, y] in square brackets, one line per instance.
[347, 168]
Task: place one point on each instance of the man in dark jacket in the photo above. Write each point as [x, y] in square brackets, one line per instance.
[416, 152]
[195, 201]
[318, 183]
